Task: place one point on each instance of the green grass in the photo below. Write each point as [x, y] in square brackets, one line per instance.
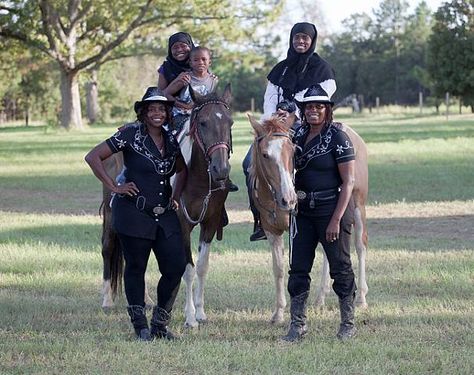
[420, 266]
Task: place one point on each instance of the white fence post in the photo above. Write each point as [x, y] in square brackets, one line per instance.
[447, 105]
[420, 100]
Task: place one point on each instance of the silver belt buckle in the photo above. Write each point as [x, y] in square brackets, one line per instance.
[158, 210]
[301, 194]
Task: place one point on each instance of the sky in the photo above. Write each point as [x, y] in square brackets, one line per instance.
[336, 10]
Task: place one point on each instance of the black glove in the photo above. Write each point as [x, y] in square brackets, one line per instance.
[286, 105]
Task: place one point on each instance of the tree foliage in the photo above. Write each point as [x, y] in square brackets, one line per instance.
[383, 55]
[80, 34]
[451, 48]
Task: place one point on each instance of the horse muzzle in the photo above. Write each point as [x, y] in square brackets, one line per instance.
[219, 166]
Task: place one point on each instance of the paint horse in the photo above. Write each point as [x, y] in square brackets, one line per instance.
[202, 200]
[206, 148]
[271, 176]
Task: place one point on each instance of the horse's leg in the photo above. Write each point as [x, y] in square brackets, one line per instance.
[277, 247]
[188, 277]
[202, 267]
[325, 284]
[148, 300]
[361, 248]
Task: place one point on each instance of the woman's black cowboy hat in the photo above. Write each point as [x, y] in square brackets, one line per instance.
[314, 94]
[154, 95]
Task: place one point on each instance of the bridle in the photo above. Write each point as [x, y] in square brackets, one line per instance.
[263, 173]
[194, 131]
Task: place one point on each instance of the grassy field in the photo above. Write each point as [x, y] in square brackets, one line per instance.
[420, 266]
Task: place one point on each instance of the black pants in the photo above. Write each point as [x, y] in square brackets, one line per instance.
[311, 231]
[169, 253]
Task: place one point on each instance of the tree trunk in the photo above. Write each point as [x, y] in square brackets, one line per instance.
[70, 101]
[92, 98]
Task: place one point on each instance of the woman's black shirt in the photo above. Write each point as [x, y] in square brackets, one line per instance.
[317, 176]
[151, 173]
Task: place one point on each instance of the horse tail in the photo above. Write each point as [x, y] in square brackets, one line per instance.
[111, 251]
[116, 269]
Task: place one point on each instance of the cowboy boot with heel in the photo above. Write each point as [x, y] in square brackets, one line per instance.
[139, 322]
[298, 326]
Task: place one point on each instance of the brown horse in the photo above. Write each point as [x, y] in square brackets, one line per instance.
[271, 173]
[208, 143]
[202, 200]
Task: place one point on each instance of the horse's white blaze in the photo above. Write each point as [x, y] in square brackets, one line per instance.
[202, 267]
[361, 253]
[107, 301]
[275, 152]
[277, 246]
[189, 309]
[219, 115]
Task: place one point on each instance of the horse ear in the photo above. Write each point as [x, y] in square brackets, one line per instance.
[290, 120]
[195, 96]
[255, 124]
[227, 95]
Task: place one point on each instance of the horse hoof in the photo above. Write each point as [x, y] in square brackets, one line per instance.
[277, 319]
[107, 310]
[191, 325]
[277, 322]
[362, 305]
[201, 318]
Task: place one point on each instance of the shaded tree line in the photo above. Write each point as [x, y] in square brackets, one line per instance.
[393, 55]
[61, 59]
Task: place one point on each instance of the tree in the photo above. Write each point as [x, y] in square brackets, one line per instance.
[451, 49]
[82, 34]
[414, 53]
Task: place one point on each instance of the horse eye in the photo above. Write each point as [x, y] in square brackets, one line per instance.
[203, 124]
[265, 156]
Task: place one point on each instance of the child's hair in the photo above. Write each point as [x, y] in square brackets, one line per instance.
[198, 49]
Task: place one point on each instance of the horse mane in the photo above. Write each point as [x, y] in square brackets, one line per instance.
[274, 125]
[212, 96]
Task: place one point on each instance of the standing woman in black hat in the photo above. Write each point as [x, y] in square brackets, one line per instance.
[324, 180]
[288, 81]
[144, 206]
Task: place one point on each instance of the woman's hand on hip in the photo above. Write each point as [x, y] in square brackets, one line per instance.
[128, 188]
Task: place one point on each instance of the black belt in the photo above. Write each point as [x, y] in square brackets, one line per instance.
[321, 195]
[142, 205]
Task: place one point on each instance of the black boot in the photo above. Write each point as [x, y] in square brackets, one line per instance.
[258, 232]
[159, 324]
[347, 328]
[140, 324]
[298, 326]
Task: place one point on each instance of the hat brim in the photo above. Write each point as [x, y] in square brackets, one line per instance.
[153, 99]
[314, 99]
